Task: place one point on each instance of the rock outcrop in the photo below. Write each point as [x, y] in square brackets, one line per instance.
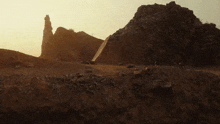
[67, 45]
[163, 34]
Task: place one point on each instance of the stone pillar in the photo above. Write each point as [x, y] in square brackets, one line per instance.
[47, 35]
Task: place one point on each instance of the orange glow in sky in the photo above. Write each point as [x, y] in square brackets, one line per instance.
[22, 21]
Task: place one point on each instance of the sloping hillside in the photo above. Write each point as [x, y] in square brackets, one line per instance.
[10, 58]
[13, 61]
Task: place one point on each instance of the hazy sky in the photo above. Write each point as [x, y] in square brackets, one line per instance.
[22, 21]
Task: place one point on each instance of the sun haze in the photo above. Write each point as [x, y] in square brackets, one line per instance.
[22, 22]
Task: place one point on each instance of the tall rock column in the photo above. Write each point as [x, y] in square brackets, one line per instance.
[47, 37]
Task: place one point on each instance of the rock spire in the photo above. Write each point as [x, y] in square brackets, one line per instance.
[47, 34]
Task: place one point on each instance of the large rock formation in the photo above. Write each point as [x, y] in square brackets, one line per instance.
[67, 45]
[163, 34]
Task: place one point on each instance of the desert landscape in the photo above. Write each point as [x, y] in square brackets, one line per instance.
[163, 67]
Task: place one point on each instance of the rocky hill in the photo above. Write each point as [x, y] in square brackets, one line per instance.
[67, 45]
[164, 35]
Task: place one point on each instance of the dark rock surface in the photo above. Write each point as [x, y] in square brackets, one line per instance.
[155, 95]
[67, 45]
[166, 35]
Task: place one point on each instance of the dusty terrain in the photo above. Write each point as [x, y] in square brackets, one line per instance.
[50, 92]
[57, 88]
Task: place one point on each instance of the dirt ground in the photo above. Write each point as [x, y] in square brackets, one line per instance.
[49, 92]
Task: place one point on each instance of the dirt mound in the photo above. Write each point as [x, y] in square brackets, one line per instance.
[165, 35]
[151, 95]
[67, 45]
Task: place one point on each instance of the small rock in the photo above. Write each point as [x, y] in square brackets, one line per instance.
[92, 63]
[155, 63]
[88, 71]
[137, 72]
[62, 77]
[147, 69]
[79, 75]
[162, 84]
[166, 85]
[120, 64]
[156, 83]
[84, 62]
[17, 66]
[30, 65]
[122, 73]
[99, 75]
[130, 66]
[180, 65]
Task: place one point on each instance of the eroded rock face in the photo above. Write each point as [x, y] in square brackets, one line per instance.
[67, 45]
[162, 34]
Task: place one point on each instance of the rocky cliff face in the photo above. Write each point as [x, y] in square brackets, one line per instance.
[163, 34]
[67, 45]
